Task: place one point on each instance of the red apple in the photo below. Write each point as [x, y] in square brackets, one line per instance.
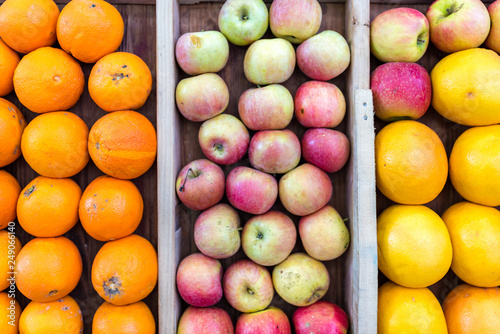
[269, 321]
[210, 320]
[322, 317]
[325, 148]
[200, 184]
[493, 40]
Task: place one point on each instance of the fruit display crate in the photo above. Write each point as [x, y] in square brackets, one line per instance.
[353, 275]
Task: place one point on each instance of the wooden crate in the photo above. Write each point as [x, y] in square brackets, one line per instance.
[354, 275]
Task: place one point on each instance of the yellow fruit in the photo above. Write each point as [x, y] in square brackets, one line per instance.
[475, 165]
[465, 87]
[475, 236]
[411, 162]
[403, 311]
[414, 246]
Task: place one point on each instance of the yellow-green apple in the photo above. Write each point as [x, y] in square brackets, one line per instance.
[269, 61]
[319, 104]
[216, 231]
[200, 184]
[400, 91]
[199, 280]
[266, 108]
[458, 24]
[325, 148]
[322, 317]
[272, 320]
[247, 286]
[250, 190]
[305, 190]
[243, 21]
[301, 280]
[268, 239]
[202, 97]
[324, 56]
[202, 52]
[295, 20]
[324, 234]
[274, 151]
[206, 320]
[493, 40]
[399, 34]
[224, 139]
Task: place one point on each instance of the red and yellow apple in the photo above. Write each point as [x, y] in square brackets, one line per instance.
[207, 320]
[269, 321]
[322, 317]
[325, 148]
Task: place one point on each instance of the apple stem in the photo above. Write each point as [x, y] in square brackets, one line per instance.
[185, 179]
[345, 219]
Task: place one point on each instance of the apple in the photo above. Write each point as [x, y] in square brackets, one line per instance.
[399, 34]
[301, 280]
[295, 20]
[324, 234]
[250, 190]
[209, 320]
[493, 40]
[200, 184]
[400, 91]
[199, 280]
[247, 286]
[322, 317]
[202, 97]
[269, 321]
[458, 25]
[268, 239]
[202, 52]
[274, 151]
[325, 148]
[266, 108]
[269, 61]
[216, 231]
[243, 21]
[324, 56]
[319, 104]
[305, 190]
[224, 139]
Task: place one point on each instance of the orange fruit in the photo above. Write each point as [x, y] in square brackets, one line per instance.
[134, 318]
[123, 144]
[9, 192]
[9, 248]
[472, 310]
[8, 63]
[48, 79]
[26, 25]
[125, 270]
[110, 208]
[120, 81]
[49, 207]
[9, 315]
[89, 29]
[55, 144]
[48, 268]
[59, 316]
[12, 124]
[411, 162]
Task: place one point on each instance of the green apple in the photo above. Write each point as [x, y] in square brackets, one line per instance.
[243, 21]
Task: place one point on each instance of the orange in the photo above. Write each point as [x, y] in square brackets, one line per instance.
[475, 165]
[48, 268]
[404, 310]
[89, 29]
[134, 318]
[49, 207]
[26, 25]
[9, 192]
[9, 314]
[125, 270]
[9, 248]
[110, 208]
[48, 79]
[472, 310]
[55, 144]
[12, 124]
[8, 63]
[59, 316]
[120, 81]
[414, 246]
[411, 162]
[123, 144]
